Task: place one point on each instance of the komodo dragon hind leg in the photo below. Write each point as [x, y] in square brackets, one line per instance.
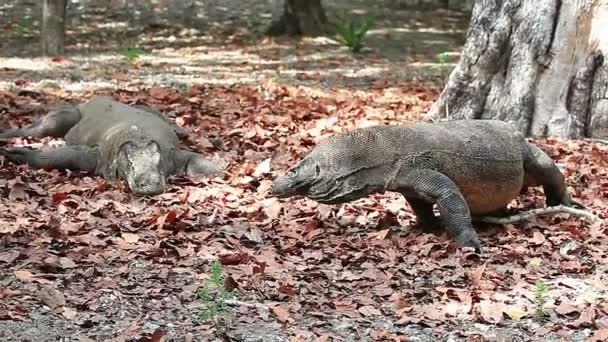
[434, 187]
[55, 124]
[541, 170]
[70, 157]
[181, 133]
[425, 217]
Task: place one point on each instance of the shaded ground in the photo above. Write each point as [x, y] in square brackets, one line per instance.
[84, 259]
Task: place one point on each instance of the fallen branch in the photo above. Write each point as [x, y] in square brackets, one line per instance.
[537, 212]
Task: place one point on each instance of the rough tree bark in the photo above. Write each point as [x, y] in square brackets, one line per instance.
[536, 63]
[301, 17]
[53, 27]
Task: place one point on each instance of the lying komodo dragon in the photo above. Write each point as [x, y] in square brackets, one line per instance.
[465, 167]
[114, 140]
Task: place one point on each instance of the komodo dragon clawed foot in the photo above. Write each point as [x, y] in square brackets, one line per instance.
[465, 167]
[113, 140]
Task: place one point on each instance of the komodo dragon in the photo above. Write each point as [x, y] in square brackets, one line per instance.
[465, 167]
[114, 140]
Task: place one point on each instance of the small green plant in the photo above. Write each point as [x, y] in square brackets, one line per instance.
[351, 35]
[131, 53]
[541, 292]
[213, 295]
[24, 24]
[442, 58]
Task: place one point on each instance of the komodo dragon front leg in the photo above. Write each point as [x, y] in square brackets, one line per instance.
[193, 164]
[71, 157]
[434, 187]
[540, 169]
[55, 124]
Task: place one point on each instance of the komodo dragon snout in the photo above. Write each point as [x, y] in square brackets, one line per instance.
[297, 181]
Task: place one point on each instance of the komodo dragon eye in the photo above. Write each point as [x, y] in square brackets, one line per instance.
[317, 170]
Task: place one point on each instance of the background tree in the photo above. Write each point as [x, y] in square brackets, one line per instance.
[53, 27]
[536, 63]
[301, 17]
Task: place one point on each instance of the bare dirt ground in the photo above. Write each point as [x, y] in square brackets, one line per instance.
[82, 259]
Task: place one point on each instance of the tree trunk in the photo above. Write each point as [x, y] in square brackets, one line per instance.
[53, 27]
[536, 63]
[300, 17]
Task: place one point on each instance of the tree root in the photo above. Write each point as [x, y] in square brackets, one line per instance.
[537, 212]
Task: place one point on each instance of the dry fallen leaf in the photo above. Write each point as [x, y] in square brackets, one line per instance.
[537, 238]
[280, 313]
[491, 311]
[477, 274]
[369, 310]
[514, 312]
[24, 275]
[130, 237]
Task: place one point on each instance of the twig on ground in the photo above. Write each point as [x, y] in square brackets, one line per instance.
[597, 140]
[233, 302]
[537, 212]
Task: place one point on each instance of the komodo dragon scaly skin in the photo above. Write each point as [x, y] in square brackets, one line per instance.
[466, 167]
[114, 140]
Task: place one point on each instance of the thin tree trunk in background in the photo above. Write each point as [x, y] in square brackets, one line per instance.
[53, 27]
[301, 17]
[536, 63]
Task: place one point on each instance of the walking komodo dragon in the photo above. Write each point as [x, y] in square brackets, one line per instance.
[114, 140]
[466, 167]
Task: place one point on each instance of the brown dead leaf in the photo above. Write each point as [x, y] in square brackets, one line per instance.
[69, 313]
[514, 312]
[369, 310]
[476, 275]
[169, 217]
[280, 313]
[24, 275]
[130, 238]
[383, 234]
[234, 258]
[346, 308]
[70, 228]
[490, 311]
[566, 308]
[272, 208]
[66, 262]
[537, 238]
[165, 94]
[586, 318]
[599, 336]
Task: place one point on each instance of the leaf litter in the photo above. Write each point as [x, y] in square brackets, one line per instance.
[82, 257]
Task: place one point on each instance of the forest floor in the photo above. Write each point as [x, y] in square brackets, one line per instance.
[82, 259]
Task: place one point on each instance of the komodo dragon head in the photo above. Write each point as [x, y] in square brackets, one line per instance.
[141, 164]
[297, 181]
[135, 156]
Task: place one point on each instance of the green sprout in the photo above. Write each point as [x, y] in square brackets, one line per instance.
[24, 24]
[352, 36]
[131, 53]
[214, 296]
[442, 58]
[541, 292]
